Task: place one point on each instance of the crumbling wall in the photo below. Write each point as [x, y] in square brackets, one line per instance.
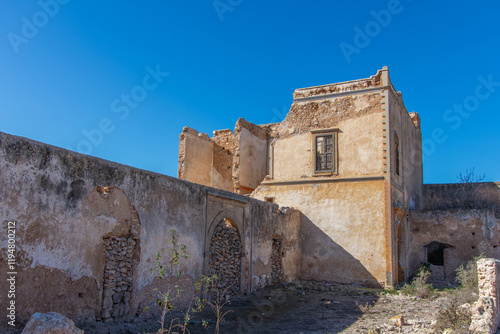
[358, 120]
[485, 312]
[250, 163]
[196, 156]
[223, 160]
[464, 234]
[229, 161]
[88, 231]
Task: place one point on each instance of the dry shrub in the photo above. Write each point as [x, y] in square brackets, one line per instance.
[456, 313]
[419, 286]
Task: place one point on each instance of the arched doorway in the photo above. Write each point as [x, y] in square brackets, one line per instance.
[225, 257]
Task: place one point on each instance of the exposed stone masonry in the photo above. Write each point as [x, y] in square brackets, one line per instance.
[118, 278]
[485, 310]
[277, 261]
[225, 257]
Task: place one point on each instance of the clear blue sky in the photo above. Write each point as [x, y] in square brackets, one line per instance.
[67, 68]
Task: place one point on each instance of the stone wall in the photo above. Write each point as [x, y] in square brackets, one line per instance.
[485, 311]
[225, 257]
[480, 195]
[118, 278]
[88, 231]
[462, 234]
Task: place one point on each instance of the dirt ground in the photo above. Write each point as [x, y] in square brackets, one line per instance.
[304, 307]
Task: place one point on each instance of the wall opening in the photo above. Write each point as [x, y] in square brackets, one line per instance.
[269, 199]
[435, 257]
[225, 257]
[277, 261]
[435, 253]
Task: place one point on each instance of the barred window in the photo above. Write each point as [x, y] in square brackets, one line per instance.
[324, 151]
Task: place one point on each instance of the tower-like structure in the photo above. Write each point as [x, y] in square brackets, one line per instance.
[347, 155]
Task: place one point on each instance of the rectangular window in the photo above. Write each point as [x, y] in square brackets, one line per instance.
[324, 151]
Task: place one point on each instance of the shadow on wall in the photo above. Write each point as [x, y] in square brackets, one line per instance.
[323, 259]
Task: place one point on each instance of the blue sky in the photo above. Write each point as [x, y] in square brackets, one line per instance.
[130, 75]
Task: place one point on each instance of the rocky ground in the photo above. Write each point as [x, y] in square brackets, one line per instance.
[305, 308]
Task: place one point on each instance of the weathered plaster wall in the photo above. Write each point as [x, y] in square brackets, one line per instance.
[348, 211]
[65, 204]
[409, 180]
[196, 157]
[359, 153]
[403, 162]
[253, 154]
[466, 232]
[342, 228]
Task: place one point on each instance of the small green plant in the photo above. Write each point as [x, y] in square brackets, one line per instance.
[419, 286]
[467, 276]
[176, 252]
[167, 300]
[390, 291]
[218, 301]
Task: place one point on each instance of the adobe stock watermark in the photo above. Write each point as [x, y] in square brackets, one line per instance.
[31, 26]
[363, 37]
[262, 309]
[122, 107]
[279, 116]
[11, 273]
[455, 116]
[223, 6]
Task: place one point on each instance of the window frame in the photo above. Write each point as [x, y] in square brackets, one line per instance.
[324, 133]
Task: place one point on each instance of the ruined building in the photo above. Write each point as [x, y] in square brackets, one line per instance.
[334, 192]
[349, 157]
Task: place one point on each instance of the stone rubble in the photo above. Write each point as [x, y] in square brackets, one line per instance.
[51, 322]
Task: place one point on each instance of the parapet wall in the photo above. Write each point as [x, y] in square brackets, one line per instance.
[88, 231]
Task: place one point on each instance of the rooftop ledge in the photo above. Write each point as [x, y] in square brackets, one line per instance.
[375, 81]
